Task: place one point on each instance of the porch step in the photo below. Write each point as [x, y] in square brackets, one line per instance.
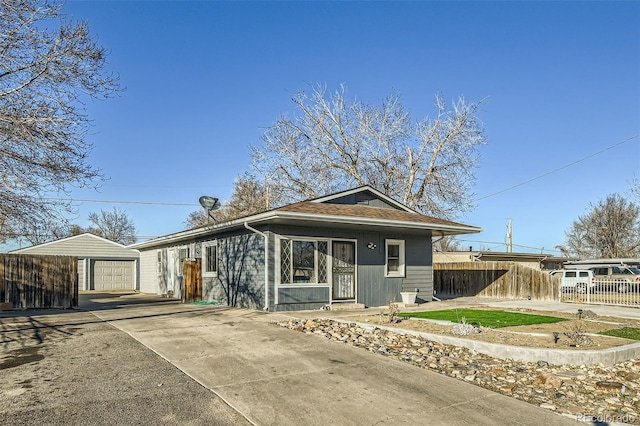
[346, 306]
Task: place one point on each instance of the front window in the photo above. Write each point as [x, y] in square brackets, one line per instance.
[303, 262]
[394, 266]
[209, 259]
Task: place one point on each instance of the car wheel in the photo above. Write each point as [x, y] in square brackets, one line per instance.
[623, 287]
[581, 288]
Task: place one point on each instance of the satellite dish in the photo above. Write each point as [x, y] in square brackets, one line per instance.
[209, 203]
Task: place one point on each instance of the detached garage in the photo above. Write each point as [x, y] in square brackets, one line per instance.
[102, 264]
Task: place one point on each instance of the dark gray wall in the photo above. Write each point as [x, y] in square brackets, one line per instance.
[373, 288]
[240, 270]
[419, 268]
[241, 266]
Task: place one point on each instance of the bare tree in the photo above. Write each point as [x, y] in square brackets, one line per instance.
[114, 225]
[447, 244]
[48, 65]
[248, 197]
[333, 144]
[43, 231]
[635, 189]
[197, 218]
[611, 229]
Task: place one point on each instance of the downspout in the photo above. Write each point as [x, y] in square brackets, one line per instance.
[266, 264]
[432, 242]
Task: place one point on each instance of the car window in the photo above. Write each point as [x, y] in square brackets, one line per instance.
[584, 274]
[635, 270]
[616, 270]
[570, 274]
[601, 271]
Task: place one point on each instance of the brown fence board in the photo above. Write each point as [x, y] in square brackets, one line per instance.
[501, 280]
[30, 281]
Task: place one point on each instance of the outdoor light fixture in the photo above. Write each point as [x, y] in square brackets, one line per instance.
[371, 245]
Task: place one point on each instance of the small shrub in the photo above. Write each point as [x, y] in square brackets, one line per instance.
[577, 334]
[392, 315]
[464, 329]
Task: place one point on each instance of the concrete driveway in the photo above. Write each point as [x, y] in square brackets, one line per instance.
[274, 376]
[67, 367]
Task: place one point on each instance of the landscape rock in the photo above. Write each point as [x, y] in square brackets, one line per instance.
[573, 390]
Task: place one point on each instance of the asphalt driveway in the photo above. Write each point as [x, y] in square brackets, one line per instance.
[71, 368]
[274, 376]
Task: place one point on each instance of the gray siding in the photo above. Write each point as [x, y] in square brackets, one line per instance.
[301, 295]
[241, 266]
[373, 288]
[81, 275]
[240, 270]
[419, 269]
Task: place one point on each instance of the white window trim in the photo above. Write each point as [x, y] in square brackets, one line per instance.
[279, 283]
[401, 270]
[189, 248]
[206, 244]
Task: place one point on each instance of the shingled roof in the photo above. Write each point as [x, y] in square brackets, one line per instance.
[358, 211]
[327, 212]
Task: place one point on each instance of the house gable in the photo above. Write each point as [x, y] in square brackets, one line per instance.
[363, 196]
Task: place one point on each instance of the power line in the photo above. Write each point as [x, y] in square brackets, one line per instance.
[556, 170]
[496, 243]
[152, 203]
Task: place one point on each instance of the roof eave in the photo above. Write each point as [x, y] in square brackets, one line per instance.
[275, 215]
[306, 217]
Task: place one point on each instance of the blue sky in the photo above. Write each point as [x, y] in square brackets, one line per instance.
[204, 78]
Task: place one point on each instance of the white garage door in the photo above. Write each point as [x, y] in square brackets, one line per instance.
[112, 274]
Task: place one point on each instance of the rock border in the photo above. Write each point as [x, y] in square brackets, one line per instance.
[608, 356]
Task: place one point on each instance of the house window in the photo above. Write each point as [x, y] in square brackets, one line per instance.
[183, 253]
[159, 262]
[303, 262]
[209, 259]
[394, 265]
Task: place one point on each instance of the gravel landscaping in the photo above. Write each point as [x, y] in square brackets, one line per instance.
[596, 393]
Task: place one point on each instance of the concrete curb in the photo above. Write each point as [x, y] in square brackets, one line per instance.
[607, 357]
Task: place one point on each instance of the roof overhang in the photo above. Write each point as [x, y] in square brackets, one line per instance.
[279, 217]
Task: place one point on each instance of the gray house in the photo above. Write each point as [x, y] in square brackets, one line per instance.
[102, 264]
[356, 246]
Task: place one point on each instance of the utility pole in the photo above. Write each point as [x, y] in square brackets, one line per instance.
[510, 235]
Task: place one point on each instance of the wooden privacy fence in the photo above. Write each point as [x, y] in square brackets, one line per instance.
[30, 281]
[502, 280]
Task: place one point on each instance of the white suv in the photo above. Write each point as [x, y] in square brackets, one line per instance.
[578, 280]
[618, 278]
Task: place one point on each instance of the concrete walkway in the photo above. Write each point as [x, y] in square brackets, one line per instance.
[274, 376]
